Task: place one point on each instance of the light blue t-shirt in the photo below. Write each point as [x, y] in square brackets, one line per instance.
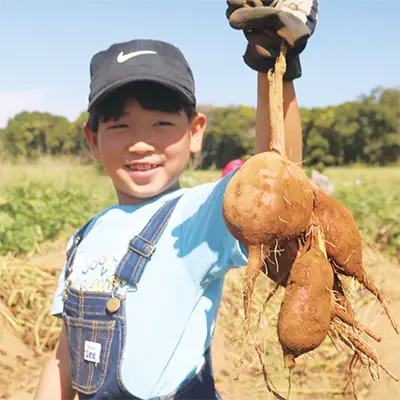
[171, 317]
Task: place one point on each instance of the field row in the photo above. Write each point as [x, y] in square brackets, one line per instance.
[46, 200]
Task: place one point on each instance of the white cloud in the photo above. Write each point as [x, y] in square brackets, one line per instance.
[38, 99]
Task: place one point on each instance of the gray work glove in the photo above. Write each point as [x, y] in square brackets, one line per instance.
[266, 22]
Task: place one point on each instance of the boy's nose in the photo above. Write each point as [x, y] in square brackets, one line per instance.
[141, 147]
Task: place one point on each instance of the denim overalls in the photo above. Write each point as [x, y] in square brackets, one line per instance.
[95, 324]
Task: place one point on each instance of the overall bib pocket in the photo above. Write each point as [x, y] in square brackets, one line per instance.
[90, 343]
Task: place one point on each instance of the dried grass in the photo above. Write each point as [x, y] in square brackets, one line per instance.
[26, 293]
[27, 289]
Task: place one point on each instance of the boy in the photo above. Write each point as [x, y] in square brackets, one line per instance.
[141, 288]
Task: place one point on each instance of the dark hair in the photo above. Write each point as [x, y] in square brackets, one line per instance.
[150, 96]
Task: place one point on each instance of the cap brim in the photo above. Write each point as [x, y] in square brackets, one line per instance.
[115, 85]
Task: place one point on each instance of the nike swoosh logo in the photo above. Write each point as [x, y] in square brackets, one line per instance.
[124, 57]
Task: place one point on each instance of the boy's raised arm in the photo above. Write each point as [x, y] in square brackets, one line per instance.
[264, 25]
[293, 129]
[55, 381]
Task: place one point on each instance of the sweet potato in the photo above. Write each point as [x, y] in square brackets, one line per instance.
[271, 207]
[343, 243]
[305, 313]
[268, 199]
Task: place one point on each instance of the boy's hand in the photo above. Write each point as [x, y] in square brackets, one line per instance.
[266, 22]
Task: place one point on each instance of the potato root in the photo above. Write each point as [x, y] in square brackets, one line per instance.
[279, 260]
[340, 297]
[343, 243]
[268, 199]
[310, 301]
[305, 313]
[361, 348]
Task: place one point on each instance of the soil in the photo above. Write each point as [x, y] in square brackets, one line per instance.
[20, 367]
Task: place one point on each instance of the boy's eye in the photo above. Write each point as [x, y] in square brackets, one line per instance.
[163, 123]
[118, 126]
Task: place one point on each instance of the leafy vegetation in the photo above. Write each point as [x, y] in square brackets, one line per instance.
[49, 198]
[372, 196]
[43, 201]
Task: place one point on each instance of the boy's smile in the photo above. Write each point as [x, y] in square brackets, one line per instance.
[145, 151]
[142, 172]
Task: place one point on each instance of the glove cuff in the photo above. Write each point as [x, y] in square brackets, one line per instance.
[293, 66]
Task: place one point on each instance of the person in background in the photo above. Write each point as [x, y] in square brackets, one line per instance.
[232, 166]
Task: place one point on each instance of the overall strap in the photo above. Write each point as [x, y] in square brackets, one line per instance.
[72, 250]
[142, 246]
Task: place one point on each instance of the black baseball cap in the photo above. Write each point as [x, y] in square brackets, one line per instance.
[140, 60]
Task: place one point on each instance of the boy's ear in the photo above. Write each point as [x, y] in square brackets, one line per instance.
[197, 129]
[92, 139]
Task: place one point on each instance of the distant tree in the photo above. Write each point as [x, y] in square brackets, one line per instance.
[30, 134]
[366, 131]
[75, 142]
[230, 134]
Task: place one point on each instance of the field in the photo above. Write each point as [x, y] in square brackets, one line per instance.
[42, 204]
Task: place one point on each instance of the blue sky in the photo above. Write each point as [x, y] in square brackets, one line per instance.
[46, 46]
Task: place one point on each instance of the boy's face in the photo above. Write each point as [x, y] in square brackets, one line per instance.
[144, 152]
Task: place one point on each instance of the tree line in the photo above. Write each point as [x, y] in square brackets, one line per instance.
[363, 131]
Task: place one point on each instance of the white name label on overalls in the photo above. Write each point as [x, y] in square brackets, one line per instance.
[92, 351]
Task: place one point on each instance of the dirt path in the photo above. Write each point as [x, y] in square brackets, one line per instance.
[319, 378]
[16, 360]
[387, 276]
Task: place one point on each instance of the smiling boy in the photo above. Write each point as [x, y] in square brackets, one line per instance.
[143, 281]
